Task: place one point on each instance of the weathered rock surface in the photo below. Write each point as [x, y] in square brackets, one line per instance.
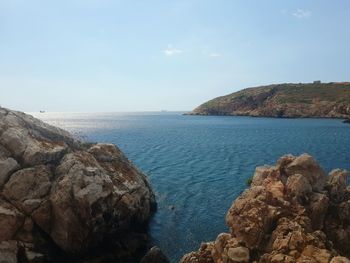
[330, 100]
[57, 191]
[293, 212]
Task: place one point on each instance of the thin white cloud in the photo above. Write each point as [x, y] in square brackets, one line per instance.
[301, 13]
[170, 51]
[214, 55]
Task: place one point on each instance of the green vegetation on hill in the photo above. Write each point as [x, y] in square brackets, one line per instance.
[284, 100]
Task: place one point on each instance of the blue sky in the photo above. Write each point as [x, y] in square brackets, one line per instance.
[101, 55]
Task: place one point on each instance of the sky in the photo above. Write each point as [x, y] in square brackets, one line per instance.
[138, 55]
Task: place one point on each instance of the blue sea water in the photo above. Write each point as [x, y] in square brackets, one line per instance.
[198, 165]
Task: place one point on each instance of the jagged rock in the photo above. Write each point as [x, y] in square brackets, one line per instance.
[318, 207]
[251, 215]
[315, 254]
[298, 185]
[260, 174]
[203, 255]
[337, 184]
[308, 167]
[289, 214]
[54, 188]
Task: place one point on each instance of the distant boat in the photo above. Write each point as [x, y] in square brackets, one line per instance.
[42, 111]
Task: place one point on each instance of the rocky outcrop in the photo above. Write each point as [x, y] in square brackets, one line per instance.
[328, 100]
[293, 212]
[59, 194]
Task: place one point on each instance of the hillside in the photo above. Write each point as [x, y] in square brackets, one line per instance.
[329, 100]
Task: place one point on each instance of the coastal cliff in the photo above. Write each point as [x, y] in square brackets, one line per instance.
[61, 199]
[325, 100]
[293, 212]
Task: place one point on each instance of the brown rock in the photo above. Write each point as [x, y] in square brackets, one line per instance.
[238, 254]
[309, 168]
[251, 216]
[318, 208]
[337, 183]
[314, 254]
[340, 260]
[260, 174]
[202, 256]
[286, 216]
[298, 185]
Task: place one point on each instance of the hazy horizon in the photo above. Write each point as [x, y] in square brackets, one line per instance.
[133, 56]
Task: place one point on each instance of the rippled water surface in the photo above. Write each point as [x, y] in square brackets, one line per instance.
[199, 165]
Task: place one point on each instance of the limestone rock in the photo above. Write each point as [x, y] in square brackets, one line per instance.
[28, 183]
[54, 188]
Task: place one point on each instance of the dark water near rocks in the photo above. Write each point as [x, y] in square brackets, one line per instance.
[199, 165]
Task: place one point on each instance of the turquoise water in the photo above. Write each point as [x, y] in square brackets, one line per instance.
[198, 165]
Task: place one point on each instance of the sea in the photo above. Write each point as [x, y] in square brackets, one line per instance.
[198, 165]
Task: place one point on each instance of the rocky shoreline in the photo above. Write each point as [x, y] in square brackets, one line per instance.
[293, 212]
[65, 200]
[288, 100]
